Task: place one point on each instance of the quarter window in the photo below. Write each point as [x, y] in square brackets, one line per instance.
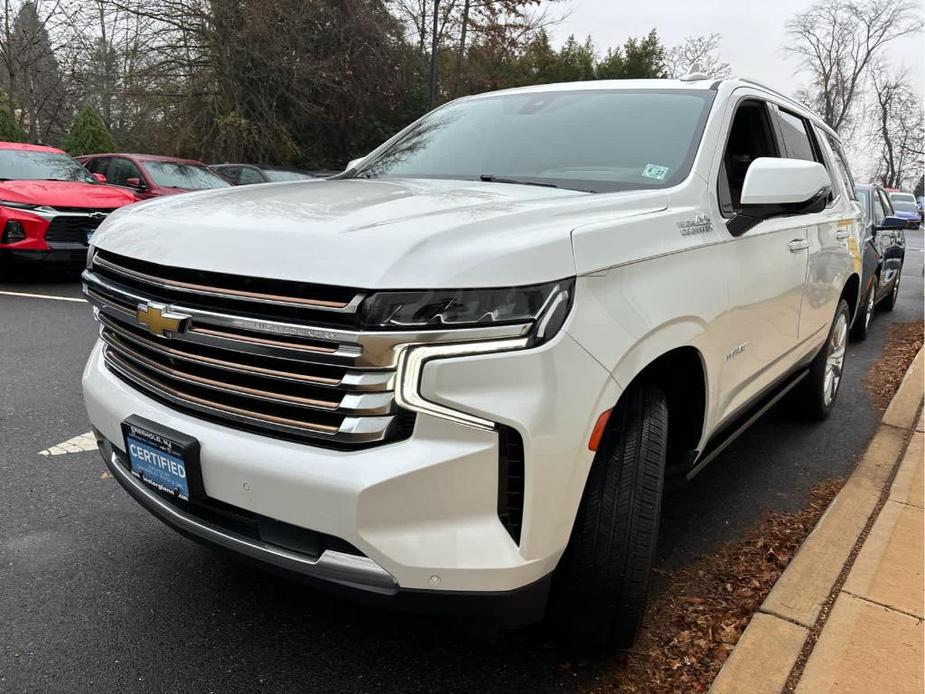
[841, 166]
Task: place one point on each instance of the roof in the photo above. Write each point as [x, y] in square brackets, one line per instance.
[30, 148]
[146, 157]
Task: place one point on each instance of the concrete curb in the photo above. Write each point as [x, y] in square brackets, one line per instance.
[773, 641]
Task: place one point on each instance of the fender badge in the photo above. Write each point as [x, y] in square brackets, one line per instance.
[701, 224]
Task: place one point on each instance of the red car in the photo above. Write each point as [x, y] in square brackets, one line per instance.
[49, 204]
[148, 175]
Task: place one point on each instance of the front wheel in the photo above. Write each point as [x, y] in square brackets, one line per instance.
[815, 396]
[601, 584]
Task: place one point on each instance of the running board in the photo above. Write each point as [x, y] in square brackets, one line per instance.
[718, 444]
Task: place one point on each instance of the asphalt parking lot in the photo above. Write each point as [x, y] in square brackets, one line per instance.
[96, 595]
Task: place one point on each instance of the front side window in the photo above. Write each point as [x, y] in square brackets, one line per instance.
[879, 210]
[171, 174]
[592, 140]
[750, 137]
[121, 171]
[31, 165]
[99, 165]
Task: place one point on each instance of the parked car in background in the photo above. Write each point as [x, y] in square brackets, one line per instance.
[49, 205]
[456, 376]
[883, 251]
[905, 206]
[150, 176]
[245, 174]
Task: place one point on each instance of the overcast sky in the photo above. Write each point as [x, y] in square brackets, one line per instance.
[752, 31]
[753, 38]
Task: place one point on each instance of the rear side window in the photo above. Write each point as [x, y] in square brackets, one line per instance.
[841, 165]
[796, 136]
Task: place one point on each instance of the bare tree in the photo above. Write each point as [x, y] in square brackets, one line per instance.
[898, 129]
[700, 53]
[837, 41]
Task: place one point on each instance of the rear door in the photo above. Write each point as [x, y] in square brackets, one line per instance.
[831, 232]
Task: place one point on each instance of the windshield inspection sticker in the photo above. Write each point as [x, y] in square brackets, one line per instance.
[655, 171]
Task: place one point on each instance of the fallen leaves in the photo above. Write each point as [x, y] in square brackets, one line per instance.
[903, 343]
[701, 610]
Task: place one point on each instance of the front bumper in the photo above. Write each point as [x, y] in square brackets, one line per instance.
[56, 253]
[342, 573]
[423, 511]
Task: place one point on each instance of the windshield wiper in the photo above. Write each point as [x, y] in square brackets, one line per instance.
[488, 178]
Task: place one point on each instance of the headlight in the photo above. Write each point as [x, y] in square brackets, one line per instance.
[545, 304]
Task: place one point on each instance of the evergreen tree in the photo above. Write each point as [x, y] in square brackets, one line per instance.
[637, 59]
[9, 128]
[88, 134]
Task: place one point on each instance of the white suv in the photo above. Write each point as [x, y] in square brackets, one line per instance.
[455, 377]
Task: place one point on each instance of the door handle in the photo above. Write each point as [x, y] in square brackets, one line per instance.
[798, 245]
[842, 234]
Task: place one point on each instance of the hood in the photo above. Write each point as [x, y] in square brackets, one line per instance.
[65, 194]
[376, 234]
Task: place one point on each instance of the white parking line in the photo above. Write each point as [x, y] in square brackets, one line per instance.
[78, 444]
[44, 296]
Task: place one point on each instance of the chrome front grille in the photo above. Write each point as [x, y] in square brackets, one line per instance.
[290, 380]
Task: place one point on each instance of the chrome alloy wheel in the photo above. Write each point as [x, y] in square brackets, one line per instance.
[836, 359]
[870, 303]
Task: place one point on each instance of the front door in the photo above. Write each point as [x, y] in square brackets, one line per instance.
[765, 270]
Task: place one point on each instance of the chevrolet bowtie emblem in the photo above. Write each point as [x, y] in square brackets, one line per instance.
[160, 320]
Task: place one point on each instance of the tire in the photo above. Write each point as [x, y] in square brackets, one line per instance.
[889, 303]
[815, 395]
[601, 584]
[861, 324]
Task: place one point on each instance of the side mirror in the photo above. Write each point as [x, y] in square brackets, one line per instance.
[890, 223]
[778, 187]
[134, 182]
[354, 162]
[99, 177]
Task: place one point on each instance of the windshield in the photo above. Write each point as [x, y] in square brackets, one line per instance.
[280, 175]
[902, 197]
[186, 176]
[593, 140]
[26, 165]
